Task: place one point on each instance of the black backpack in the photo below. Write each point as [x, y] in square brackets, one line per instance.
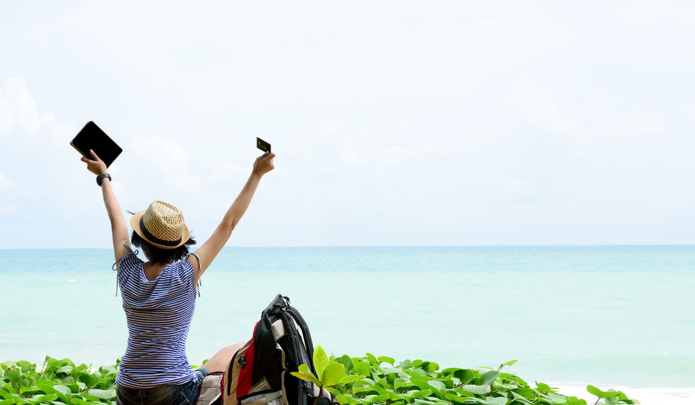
[260, 371]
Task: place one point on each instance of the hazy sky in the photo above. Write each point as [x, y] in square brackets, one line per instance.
[394, 122]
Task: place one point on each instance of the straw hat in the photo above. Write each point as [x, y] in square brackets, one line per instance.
[161, 225]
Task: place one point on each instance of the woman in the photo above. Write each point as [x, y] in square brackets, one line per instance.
[159, 295]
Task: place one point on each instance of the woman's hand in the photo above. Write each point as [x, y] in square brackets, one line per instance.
[264, 164]
[96, 166]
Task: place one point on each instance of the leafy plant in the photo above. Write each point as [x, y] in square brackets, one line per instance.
[330, 372]
[352, 380]
[379, 380]
[57, 382]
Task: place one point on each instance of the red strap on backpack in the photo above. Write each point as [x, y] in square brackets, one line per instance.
[246, 373]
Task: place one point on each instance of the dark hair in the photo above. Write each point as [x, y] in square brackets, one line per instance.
[159, 255]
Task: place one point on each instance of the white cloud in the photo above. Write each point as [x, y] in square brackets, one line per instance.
[19, 112]
[162, 158]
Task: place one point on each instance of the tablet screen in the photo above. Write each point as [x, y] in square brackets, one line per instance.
[92, 137]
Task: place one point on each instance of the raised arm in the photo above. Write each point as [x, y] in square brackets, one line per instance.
[209, 250]
[119, 228]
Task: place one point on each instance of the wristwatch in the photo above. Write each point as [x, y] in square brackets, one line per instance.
[101, 177]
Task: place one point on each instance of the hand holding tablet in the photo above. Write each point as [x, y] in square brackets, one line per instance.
[91, 137]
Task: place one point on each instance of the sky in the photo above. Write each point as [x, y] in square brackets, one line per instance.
[394, 123]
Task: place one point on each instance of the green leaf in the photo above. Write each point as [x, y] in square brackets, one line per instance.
[64, 370]
[386, 359]
[46, 386]
[488, 378]
[320, 360]
[7, 387]
[510, 362]
[368, 381]
[306, 376]
[555, 397]
[397, 371]
[347, 400]
[14, 375]
[90, 380]
[26, 366]
[347, 362]
[454, 398]
[7, 364]
[527, 393]
[62, 392]
[438, 385]
[103, 394]
[372, 359]
[416, 372]
[496, 385]
[349, 379]
[419, 393]
[476, 389]
[62, 389]
[544, 388]
[575, 401]
[465, 375]
[595, 391]
[333, 373]
[495, 401]
[379, 398]
[303, 368]
[361, 367]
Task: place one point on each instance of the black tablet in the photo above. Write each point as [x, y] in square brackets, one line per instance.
[92, 137]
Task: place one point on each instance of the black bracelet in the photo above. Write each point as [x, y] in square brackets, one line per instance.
[101, 177]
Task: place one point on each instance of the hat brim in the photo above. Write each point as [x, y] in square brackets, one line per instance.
[135, 223]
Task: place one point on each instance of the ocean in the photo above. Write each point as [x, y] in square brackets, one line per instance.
[602, 315]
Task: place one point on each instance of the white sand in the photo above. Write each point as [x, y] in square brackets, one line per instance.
[646, 396]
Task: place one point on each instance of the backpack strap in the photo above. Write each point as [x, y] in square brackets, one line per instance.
[308, 343]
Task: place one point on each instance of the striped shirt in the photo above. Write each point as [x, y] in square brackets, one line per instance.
[159, 314]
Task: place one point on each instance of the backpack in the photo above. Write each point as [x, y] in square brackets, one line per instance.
[209, 393]
[259, 372]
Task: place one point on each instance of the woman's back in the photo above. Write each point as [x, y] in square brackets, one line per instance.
[159, 314]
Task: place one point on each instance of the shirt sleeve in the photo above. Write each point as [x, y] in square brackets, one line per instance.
[125, 266]
[189, 272]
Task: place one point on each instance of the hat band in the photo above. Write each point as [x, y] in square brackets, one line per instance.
[152, 238]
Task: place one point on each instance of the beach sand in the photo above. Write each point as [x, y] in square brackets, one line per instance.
[646, 396]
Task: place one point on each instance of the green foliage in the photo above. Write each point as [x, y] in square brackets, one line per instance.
[56, 382]
[352, 380]
[329, 372]
[379, 380]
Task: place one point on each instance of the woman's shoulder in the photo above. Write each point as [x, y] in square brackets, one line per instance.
[128, 260]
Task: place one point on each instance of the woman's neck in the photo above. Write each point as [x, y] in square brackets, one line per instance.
[153, 270]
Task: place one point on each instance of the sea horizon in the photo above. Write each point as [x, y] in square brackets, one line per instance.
[587, 314]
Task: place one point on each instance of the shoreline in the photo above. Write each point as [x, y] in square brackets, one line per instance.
[646, 396]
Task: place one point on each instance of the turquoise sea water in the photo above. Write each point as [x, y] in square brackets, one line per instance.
[606, 315]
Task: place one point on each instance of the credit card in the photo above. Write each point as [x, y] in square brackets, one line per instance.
[262, 145]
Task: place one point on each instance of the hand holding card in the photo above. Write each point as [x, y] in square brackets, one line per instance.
[262, 145]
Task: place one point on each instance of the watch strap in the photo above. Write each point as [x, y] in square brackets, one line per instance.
[101, 178]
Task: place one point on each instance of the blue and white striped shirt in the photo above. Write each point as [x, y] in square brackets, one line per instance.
[159, 314]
